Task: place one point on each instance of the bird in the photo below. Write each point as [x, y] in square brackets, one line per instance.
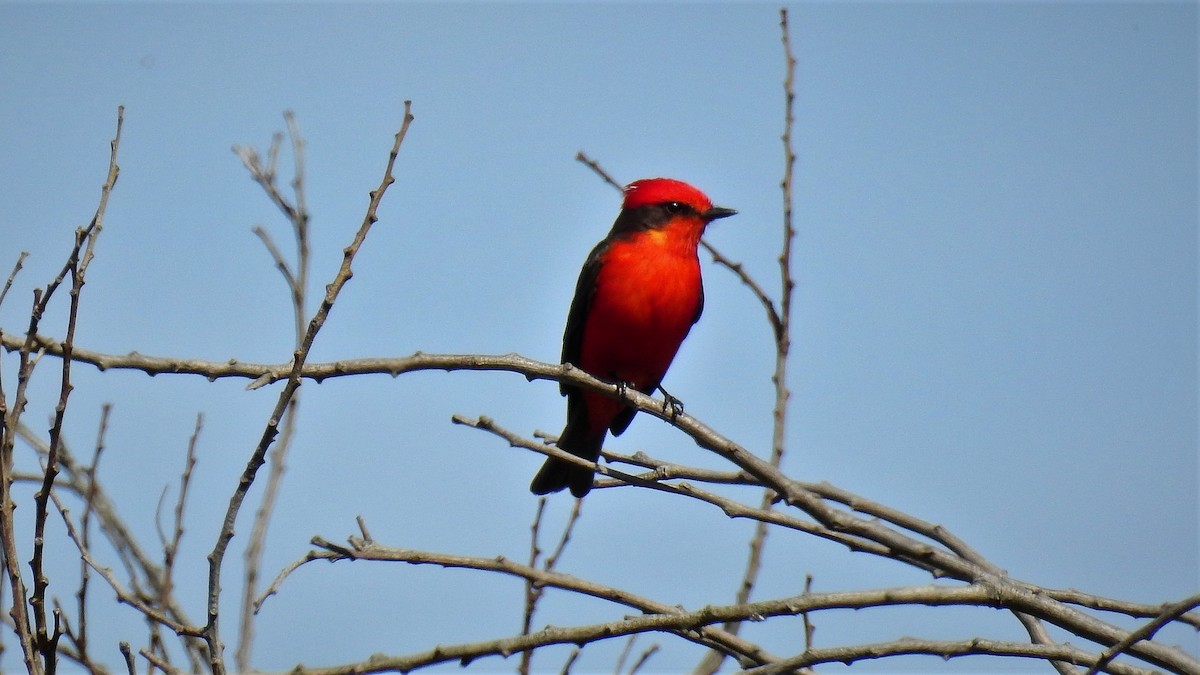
[637, 297]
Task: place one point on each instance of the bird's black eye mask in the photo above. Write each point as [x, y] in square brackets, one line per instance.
[651, 216]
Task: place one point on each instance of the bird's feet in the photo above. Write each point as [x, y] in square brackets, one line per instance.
[672, 404]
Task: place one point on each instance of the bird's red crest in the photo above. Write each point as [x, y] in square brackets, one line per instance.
[659, 190]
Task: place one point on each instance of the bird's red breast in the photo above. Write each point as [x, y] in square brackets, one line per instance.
[648, 292]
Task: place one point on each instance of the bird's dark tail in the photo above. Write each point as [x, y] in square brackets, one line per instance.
[556, 474]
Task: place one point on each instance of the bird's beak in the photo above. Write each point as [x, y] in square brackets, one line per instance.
[717, 212]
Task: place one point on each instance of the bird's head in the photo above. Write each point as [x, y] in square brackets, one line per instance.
[671, 198]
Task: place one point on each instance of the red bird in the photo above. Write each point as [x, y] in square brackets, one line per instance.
[637, 297]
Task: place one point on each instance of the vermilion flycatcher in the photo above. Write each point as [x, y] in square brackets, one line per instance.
[637, 297]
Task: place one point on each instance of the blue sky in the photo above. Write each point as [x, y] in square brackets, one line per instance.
[995, 317]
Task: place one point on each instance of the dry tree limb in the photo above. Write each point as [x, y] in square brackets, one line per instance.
[165, 589]
[945, 649]
[878, 537]
[810, 498]
[13, 275]
[624, 654]
[296, 212]
[157, 662]
[362, 550]
[79, 636]
[695, 625]
[781, 320]
[127, 654]
[138, 564]
[592, 164]
[124, 596]
[212, 634]
[532, 592]
[644, 658]
[566, 669]
[1170, 612]
[38, 640]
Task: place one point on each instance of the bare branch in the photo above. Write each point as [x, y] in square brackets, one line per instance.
[273, 588]
[595, 166]
[258, 456]
[781, 326]
[759, 294]
[532, 593]
[875, 537]
[272, 249]
[79, 636]
[859, 534]
[624, 654]
[140, 567]
[127, 653]
[944, 649]
[297, 286]
[1170, 612]
[566, 669]
[13, 275]
[123, 595]
[359, 550]
[576, 512]
[645, 657]
[159, 663]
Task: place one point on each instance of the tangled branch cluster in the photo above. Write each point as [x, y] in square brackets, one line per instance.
[787, 507]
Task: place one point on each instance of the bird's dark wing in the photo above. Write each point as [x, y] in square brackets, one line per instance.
[585, 290]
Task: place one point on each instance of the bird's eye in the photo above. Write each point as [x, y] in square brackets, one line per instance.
[675, 208]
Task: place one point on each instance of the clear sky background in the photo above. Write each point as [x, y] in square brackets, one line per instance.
[995, 317]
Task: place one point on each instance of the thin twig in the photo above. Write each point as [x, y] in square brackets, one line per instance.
[574, 655]
[781, 326]
[13, 275]
[740, 272]
[170, 545]
[283, 574]
[38, 641]
[532, 593]
[138, 564]
[212, 633]
[127, 653]
[809, 629]
[1170, 612]
[946, 649]
[572, 519]
[644, 658]
[159, 663]
[873, 536]
[79, 636]
[595, 166]
[123, 595]
[625, 654]
[359, 550]
[297, 286]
